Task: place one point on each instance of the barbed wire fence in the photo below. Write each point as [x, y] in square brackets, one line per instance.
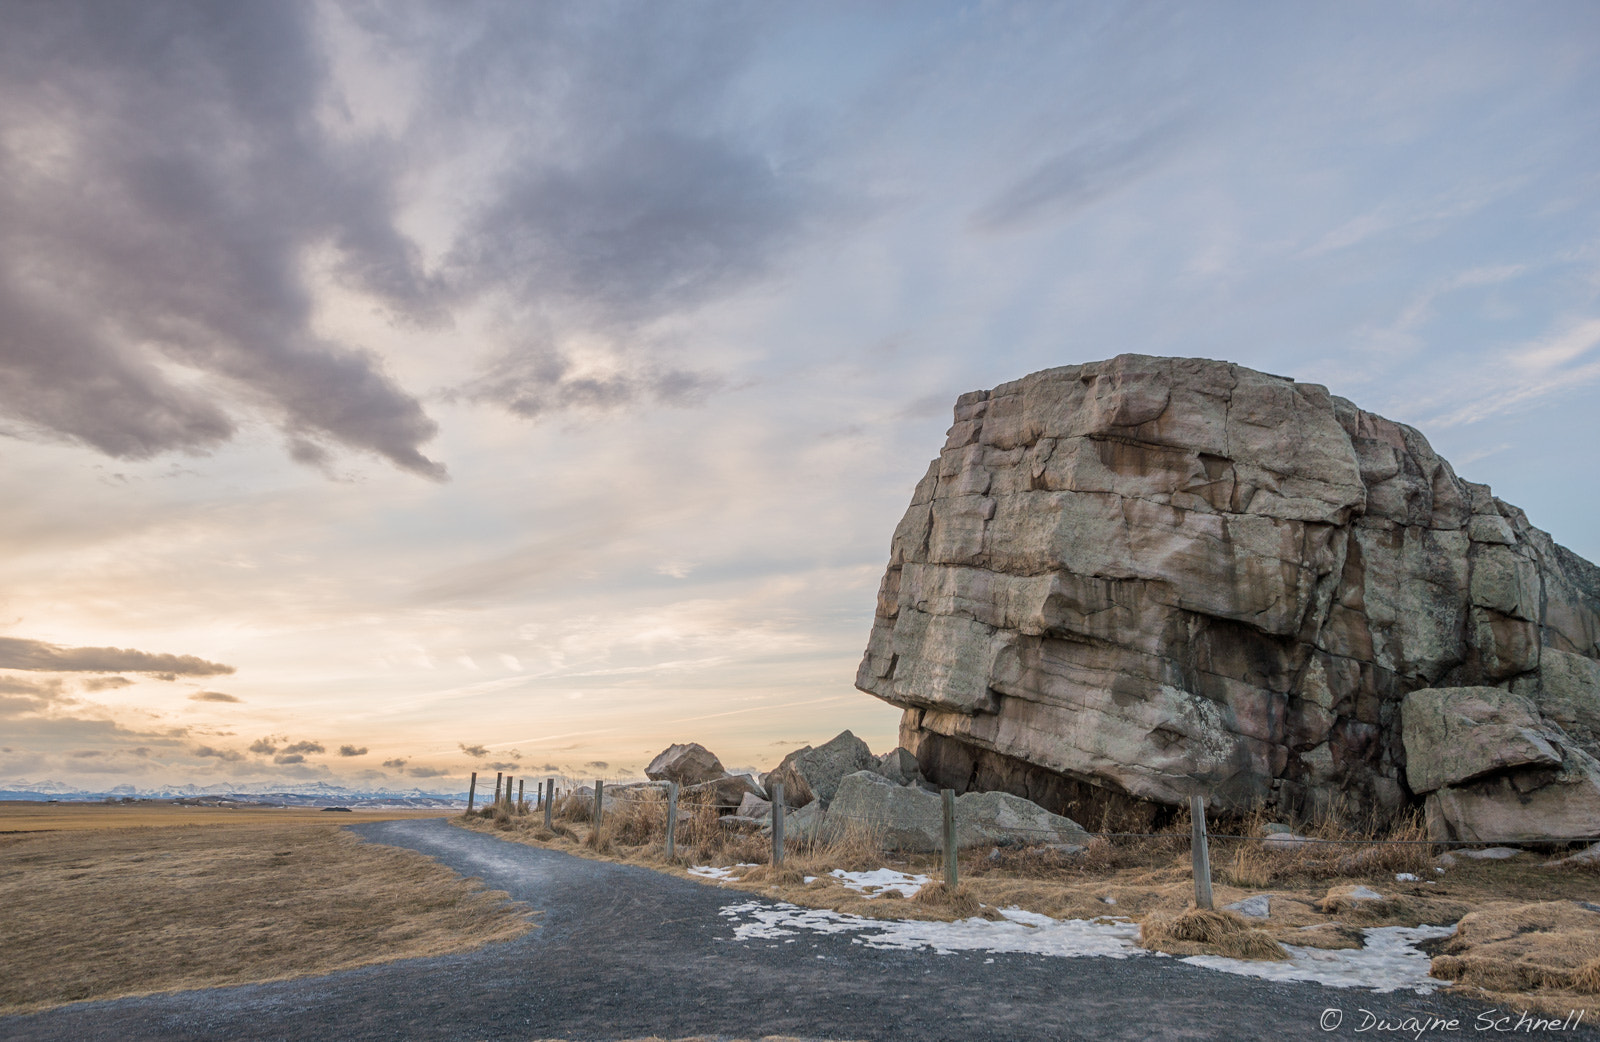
[590, 802]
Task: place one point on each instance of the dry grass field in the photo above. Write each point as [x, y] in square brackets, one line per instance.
[96, 909]
[1528, 933]
[20, 816]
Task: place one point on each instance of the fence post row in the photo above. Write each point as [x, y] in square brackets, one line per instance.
[777, 824]
[672, 820]
[1199, 852]
[549, 799]
[951, 871]
[599, 802]
[472, 791]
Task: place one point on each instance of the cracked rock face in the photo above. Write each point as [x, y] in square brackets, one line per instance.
[1132, 580]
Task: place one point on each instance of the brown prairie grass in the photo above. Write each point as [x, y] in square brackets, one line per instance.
[98, 914]
[1197, 931]
[1546, 951]
[31, 816]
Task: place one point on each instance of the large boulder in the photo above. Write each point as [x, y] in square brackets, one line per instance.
[691, 764]
[1494, 768]
[908, 818]
[807, 774]
[1130, 581]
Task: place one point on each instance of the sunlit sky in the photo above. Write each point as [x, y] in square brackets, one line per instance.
[396, 390]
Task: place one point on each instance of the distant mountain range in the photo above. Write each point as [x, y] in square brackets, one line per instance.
[317, 794]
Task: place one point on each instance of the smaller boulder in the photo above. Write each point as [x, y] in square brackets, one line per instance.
[1256, 906]
[753, 806]
[899, 766]
[725, 793]
[691, 764]
[808, 774]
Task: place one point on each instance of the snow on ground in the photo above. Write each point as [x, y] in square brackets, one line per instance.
[1388, 962]
[719, 874]
[881, 881]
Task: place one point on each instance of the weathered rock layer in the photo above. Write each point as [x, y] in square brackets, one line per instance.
[1131, 580]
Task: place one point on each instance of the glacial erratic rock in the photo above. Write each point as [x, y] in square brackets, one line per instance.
[1125, 582]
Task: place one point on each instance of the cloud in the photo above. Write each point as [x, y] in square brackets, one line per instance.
[264, 746]
[350, 750]
[476, 751]
[287, 758]
[214, 696]
[187, 183]
[503, 765]
[396, 763]
[105, 683]
[598, 765]
[305, 747]
[1084, 173]
[427, 772]
[17, 653]
[225, 755]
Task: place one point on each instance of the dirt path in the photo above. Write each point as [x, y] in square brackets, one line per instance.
[623, 952]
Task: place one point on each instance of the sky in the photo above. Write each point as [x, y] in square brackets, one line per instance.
[390, 391]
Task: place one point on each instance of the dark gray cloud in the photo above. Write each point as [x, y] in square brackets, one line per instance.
[165, 161]
[214, 696]
[396, 763]
[305, 747]
[476, 751]
[427, 772]
[287, 758]
[225, 755]
[18, 653]
[351, 750]
[634, 198]
[264, 746]
[175, 163]
[597, 764]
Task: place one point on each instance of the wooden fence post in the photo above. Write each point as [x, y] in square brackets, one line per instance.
[599, 802]
[672, 820]
[777, 824]
[549, 800]
[472, 791]
[1199, 852]
[951, 871]
[497, 776]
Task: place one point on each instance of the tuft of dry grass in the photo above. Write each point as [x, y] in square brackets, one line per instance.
[97, 914]
[1198, 931]
[1548, 950]
[958, 902]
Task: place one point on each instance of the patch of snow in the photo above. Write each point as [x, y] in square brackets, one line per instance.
[1406, 877]
[1108, 899]
[881, 881]
[1389, 961]
[1019, 932]
[720, 874]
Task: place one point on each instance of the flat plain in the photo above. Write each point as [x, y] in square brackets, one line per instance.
[106, 900]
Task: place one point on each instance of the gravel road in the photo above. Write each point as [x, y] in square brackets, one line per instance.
[623, 952]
